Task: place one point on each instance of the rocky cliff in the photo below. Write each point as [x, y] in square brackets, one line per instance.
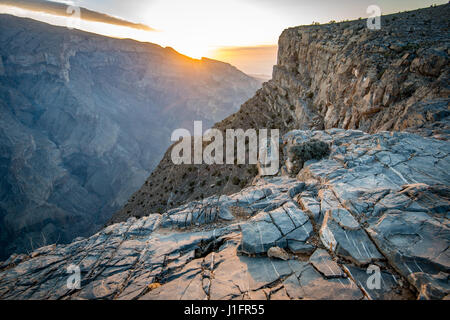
[339, 75]
[366, 219]
[85, 118]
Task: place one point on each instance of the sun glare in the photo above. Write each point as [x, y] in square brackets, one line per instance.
[196, 51]
[196, 29]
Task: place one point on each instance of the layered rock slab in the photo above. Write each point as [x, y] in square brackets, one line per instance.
[369, 192]
[385, 196]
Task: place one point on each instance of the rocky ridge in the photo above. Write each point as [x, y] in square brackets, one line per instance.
[374, 202]
[338, 75]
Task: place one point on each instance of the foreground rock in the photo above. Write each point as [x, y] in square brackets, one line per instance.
[376, 202]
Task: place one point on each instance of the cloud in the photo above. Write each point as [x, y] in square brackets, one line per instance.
[60, 9]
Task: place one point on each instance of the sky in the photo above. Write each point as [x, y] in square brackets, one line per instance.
[241, 32]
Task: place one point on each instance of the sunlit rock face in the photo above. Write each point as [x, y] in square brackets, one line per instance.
[375, 203]
[335, 75]
[85, 118]
[348, 76]
[362, 216]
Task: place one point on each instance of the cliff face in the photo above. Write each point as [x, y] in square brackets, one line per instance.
[347, 76]
[85, 118]
[370, 206]
[340, 75]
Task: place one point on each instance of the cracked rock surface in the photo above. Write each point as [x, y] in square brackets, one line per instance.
[376, 202]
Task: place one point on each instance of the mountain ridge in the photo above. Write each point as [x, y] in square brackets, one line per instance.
[365, 218]
[84, 120]
[335, 75]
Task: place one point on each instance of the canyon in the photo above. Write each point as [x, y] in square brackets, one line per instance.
[338, 75]
[370, 197]
[84, 120]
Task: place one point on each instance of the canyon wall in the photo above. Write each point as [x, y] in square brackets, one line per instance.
[348, 207]
[84, 120]
[339, 75]
[348, 76]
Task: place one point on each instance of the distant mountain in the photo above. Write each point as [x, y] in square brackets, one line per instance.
[85, 118]
[350, 216]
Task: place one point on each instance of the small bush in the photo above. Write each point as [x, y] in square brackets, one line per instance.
[313, 149]
[253, 170]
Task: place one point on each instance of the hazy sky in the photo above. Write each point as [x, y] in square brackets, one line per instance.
[204, 27]
[241, 22]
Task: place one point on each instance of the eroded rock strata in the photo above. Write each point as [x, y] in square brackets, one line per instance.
[375, 201]
[335, 75]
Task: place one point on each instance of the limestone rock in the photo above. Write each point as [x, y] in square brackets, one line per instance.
[278, 253]
[387, 287]
[380, 200]
[323, 262]
[352, 243]
[337, 75]
[375, 200]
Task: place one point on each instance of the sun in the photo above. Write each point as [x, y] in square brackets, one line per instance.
[193, 50]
